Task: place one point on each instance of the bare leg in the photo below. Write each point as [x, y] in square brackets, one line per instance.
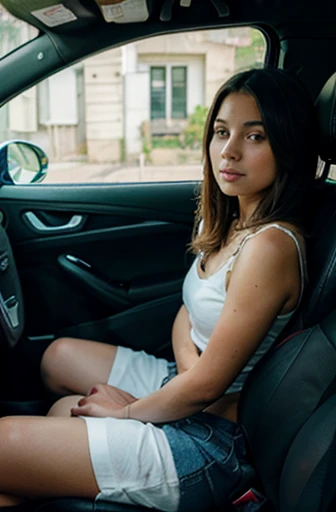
[8, 500]
[63, 406]
[71, 366]
[44, 457]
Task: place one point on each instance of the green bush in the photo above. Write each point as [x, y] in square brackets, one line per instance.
[193, 132]
[166, 142]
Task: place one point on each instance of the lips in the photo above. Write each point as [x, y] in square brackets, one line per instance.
[230, 174]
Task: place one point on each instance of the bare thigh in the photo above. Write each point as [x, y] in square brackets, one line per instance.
[73, 366]
[42, 457]
[62, 407]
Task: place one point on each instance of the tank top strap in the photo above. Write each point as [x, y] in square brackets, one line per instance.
[301, 254]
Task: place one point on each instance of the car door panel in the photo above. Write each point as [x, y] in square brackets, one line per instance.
[145, 327]
[115, 274]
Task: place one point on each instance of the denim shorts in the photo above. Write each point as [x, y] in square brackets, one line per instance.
[208, 451]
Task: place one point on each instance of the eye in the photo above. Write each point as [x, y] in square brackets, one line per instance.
[256, 137]
[221, 132]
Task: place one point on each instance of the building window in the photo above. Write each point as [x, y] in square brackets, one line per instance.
[158, 92]
[168, 92]
[179, 92]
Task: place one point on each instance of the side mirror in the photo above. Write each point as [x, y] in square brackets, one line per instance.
[22, 162]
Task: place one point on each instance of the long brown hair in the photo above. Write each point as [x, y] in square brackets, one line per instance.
[289, 119]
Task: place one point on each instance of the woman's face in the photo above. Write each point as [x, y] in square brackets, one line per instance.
[241, 157]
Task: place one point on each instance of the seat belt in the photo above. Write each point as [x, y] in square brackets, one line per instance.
[251, 501]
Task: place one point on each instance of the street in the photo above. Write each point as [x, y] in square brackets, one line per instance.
[81, 172]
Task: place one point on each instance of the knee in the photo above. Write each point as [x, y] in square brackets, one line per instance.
[63, 406]
[54, 359]
[11, 433]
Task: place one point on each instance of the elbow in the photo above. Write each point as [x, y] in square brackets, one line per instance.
[207, 394]
[211, 394]
[202, 389]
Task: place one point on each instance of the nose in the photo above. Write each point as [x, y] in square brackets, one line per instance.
[231, 149]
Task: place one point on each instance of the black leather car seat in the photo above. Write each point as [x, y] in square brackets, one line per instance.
[292, 382]
[320, 298]
[280, 397]
[308, 476]
[285, 394]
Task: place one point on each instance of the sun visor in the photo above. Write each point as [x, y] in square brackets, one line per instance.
[124, 11]
[51, 14]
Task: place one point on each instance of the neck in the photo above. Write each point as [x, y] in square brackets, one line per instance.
[246, 210]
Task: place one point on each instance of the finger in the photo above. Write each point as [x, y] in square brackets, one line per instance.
[74, 411]
[92, 391]
[85, 410]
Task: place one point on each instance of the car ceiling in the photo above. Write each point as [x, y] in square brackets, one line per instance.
[200, 12]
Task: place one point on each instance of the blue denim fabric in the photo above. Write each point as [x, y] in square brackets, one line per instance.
[172, 372]
[207, 452]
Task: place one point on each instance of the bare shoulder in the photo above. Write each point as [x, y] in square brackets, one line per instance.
[273, 244]
[269, 264]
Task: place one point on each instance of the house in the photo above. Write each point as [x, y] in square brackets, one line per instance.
[158, 81]
[103, 109]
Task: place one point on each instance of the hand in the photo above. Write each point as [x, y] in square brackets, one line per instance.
[103, 401]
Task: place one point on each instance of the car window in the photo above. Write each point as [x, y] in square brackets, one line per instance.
[13, 32]
[332, 173]
[134, 113]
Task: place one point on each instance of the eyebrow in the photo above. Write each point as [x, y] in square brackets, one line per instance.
[247, 123]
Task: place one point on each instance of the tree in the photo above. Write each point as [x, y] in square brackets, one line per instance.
[193, 132]
[11, 32]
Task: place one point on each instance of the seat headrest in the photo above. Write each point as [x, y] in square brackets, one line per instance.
[326, 117]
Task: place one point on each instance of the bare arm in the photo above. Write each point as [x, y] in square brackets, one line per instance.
[258, 291]
[185, 351]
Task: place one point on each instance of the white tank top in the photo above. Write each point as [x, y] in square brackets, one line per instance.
[204, 299]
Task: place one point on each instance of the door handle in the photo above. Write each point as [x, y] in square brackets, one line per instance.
[39, 226]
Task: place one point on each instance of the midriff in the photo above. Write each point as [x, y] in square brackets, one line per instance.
[226, 407]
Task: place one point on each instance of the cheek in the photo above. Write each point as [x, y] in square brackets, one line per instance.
[267, 161]
[272, 167]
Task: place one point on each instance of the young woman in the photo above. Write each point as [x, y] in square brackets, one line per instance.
[165, 435]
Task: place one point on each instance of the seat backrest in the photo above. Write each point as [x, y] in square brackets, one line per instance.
[282, 393]
[319, 298]
[310, 464]
[296, 377]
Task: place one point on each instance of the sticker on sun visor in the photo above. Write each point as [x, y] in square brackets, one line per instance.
[54, 15]
[124, 11]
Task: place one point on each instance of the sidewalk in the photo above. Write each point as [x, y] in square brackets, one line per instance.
[81, 172]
